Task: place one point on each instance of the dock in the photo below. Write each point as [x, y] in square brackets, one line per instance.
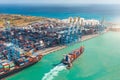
[53, 49]
[87, 37]
[50, 50]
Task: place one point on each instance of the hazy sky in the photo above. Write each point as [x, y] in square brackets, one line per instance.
[60, 1]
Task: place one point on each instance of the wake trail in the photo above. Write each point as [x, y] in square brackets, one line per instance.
[54, 72]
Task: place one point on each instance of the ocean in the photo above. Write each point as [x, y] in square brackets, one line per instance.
[109, 12]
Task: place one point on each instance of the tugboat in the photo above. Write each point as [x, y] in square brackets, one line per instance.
[69, 58]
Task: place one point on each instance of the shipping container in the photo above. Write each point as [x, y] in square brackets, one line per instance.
[12, 66]
[6, 66]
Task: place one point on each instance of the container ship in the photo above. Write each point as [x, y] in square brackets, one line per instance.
[8, 68]
[69, 58]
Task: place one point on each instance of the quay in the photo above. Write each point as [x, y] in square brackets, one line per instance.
[53, 49]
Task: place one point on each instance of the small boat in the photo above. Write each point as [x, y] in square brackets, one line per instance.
[69, 58]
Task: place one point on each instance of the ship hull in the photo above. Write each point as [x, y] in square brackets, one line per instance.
[69, 64]
[16, 70]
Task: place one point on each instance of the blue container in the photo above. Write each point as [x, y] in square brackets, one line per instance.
[26, 60]
[1, 67]
[21, 64]
[77, 53]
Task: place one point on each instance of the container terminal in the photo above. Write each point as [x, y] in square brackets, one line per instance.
[21, 47]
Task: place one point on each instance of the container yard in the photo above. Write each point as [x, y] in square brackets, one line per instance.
[21, 47]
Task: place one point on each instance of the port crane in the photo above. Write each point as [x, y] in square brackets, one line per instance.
[11, 44]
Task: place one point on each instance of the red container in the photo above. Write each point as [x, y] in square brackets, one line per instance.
[39, 57]
[81, 49]
[30, 59]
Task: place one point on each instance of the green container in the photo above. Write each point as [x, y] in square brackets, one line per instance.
[12, 64]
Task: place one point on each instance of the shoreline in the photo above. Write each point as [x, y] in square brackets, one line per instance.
[53, 49]
[87, 37]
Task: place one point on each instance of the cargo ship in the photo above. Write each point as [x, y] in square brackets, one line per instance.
[69, 58]
[8, 68]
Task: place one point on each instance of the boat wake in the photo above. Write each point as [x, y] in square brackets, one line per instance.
[54, 72]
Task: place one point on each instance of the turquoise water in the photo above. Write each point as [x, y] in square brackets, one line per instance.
[100, 61]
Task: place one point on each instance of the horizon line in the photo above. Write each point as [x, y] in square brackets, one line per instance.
[59, 4]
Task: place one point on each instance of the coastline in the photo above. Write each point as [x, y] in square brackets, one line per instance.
[87, 37]
[53, 49]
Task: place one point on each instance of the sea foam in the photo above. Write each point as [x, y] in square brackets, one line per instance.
[54, 72]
